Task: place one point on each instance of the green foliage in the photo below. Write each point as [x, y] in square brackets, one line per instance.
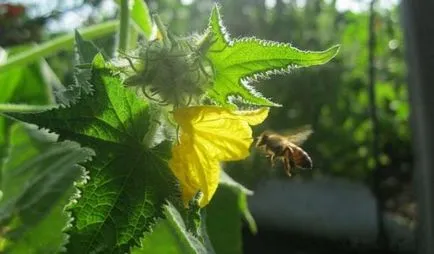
[160, 127]
[116, 206]
[332, 98]
[170, 236]
[140, 16]
[180, 70]
[231, 195]
[21, 85]
[242, 61]
[85, 51]
[241, 192]
[349, 106]
[127, 200]
[37, 182]
[169, 70]
[3, 55]
[24, 84]
[60, 43]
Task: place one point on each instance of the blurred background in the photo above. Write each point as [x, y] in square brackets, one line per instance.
[359, 197]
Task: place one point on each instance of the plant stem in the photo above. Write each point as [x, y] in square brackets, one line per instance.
[382, 237]
[134, 35]
[59, 43]
[162, 30]
[24, 108]
[124, 26]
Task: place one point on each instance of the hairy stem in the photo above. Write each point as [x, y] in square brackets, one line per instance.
[6, 107]
[59, 43]
[124, 26]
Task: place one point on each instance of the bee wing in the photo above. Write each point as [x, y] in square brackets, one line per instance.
[299, 135]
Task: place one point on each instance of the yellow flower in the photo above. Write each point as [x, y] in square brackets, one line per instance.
[208, 136]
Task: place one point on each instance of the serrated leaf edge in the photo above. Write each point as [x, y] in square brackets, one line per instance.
[224, 34]
[245, 81]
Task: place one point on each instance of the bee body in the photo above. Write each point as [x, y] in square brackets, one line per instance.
[286, 148]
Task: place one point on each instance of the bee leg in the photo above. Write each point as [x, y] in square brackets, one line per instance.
[287, 165]
[272, 160]
[287, 154]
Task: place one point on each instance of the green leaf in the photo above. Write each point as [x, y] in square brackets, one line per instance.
[242, 193]
[27, 84]
[188, 241]
[46, 236]
[224, 222]
[240, 62]
[194, 218]
[139, 12]
[85, 52]
[3, 56]
[160, 127]
[171, 236]
[224, 215]
[140, 15]
[127, 182]
[37, 182]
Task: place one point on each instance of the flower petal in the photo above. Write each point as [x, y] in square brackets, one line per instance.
[253, 117]
[195, 171]
[226, 135]
[208, 135]
[188, 116]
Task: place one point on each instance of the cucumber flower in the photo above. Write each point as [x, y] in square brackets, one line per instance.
[209, 135]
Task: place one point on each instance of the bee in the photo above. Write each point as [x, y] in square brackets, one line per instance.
[286, 148]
